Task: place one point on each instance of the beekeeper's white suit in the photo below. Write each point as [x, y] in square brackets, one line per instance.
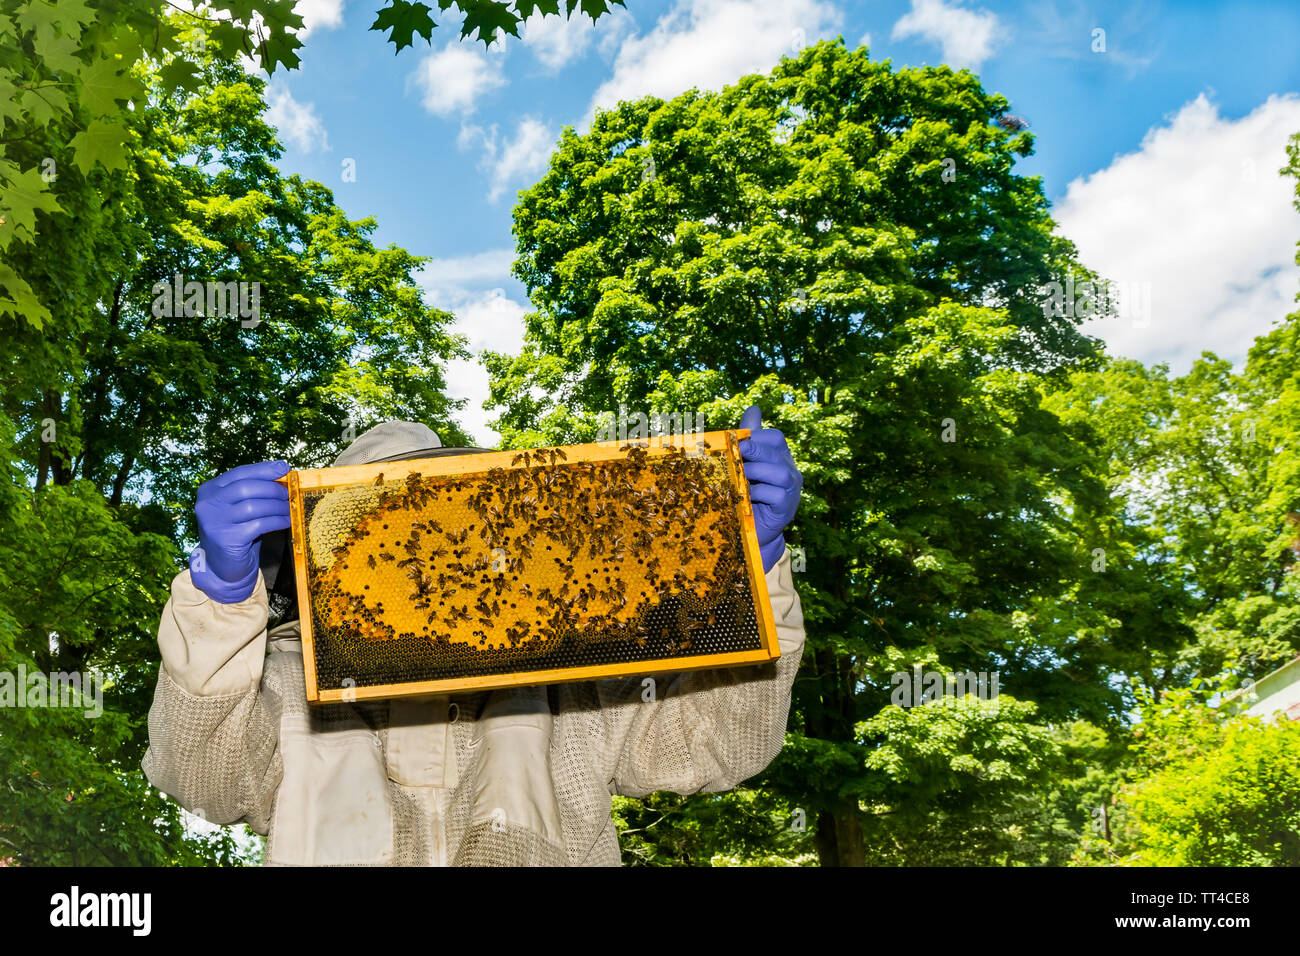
[508, 777]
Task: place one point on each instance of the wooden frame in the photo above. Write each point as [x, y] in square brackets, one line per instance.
[352, 475]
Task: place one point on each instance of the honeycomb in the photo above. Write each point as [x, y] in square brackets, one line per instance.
[538, 566]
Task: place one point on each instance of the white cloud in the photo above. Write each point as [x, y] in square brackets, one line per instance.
[297, 122]
[455, 78]
[557, 40]
[472, 287]
[322, 14]
[711, 43]
[967, 37]
[450, 279]
[1200, 213]
[510, 160]
[612, 29]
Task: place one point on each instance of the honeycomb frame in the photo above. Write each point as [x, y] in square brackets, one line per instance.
[676, 628]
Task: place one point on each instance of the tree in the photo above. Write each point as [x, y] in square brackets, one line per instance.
[1206, 468]
[68, 83]
[799, 241]
[1209, 788]
[115, 409]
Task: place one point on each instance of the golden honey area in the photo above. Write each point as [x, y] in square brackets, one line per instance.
[522, 557]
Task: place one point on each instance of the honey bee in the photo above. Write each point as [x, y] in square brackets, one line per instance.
[379, 478]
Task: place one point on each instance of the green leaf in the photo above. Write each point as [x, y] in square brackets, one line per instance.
[281, 52]
[21, 197]
[487, 17]
[403, 20]
[41, 19]
[58, 53]
[44, 104]
[597, 8]
[8, 108]
[100, 142]
[527, 8]
[22, 300]
[73, 13]
[229, 38]
[180, 74]
[103, 84]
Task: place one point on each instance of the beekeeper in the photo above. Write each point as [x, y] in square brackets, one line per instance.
[508, 777]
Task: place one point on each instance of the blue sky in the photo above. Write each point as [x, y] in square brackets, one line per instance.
[1158, 141]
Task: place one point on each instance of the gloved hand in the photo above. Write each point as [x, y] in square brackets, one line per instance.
[234, 511]
[774, 484]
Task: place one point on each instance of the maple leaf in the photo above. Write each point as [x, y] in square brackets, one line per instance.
[597, 8]
[487, 17]
[24, 194]
[281, 20]
[403, 20]
[100, 142]
[44, 104]
[527, 8]
[57, 53]
[282, 51]
[8, 107]
[21, 300]
[229, 38]
[70, 13]
[102, 86]
[41, 19]
[180, 74]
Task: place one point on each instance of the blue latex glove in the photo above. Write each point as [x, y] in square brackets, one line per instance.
[234, 511]
[774, 484]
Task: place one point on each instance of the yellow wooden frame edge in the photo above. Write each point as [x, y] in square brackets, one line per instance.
[319, 478]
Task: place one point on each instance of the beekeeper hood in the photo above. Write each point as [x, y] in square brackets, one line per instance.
[395, 440]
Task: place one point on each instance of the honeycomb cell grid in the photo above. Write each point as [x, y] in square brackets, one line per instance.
[527, 567]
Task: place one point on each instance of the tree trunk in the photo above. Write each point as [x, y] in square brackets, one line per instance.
[839, 838]
[50, 464]
[119, 480]
[96, 402]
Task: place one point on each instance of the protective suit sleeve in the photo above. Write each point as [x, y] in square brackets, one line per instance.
[213, 729]
[705, 730]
